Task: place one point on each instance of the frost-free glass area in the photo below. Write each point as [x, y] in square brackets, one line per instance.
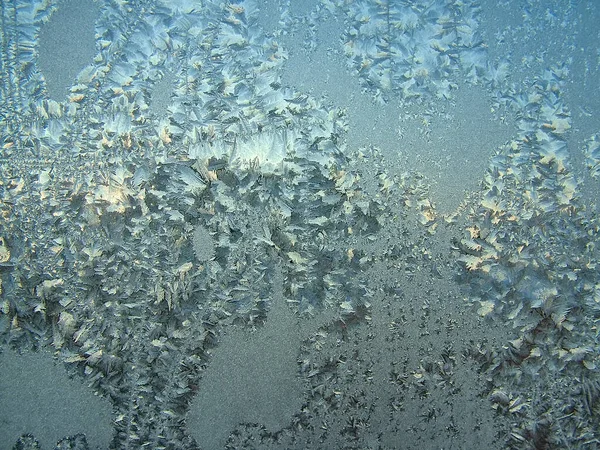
[318, 224]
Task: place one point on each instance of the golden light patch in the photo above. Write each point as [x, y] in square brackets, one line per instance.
[486, 307]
